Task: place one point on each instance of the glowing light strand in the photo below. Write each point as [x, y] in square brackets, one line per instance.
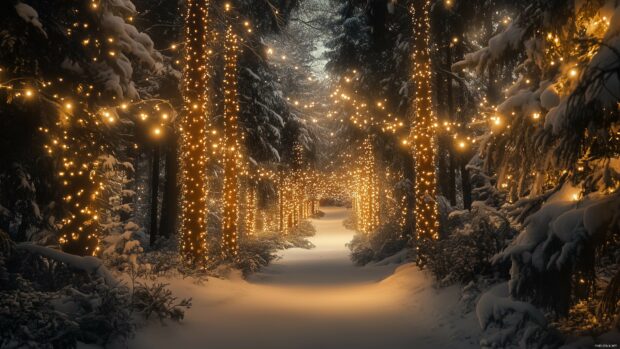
[232, 152]
[194, 134]
[423, 132]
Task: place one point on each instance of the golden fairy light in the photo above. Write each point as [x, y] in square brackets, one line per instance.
[250, 206]
[231, 151]
[79, 227]
[76, 139]
[294, 196]
[423, 132]
[194, 133]
[367, 191]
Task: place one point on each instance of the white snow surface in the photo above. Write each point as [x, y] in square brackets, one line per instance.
[317, 299]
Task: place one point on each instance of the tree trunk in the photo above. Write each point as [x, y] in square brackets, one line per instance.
[281, 199]
[466, 184]
[451, 117]
[154, 194]
[465, 157]
[195, 146]
[170, 201]
[423, 133]
[492, 93]
[443, 152]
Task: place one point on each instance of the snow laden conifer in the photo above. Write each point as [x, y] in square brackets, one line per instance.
[553, 145]
[121, 234]
[70, 68]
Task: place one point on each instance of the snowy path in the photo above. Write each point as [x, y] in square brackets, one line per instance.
[326, 264]
[316, 299]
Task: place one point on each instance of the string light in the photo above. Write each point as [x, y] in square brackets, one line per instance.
[294, 197]
[231, 149]
[250, 205]
[424, 129]
[366, 191]
[194, 134]
[77, 140]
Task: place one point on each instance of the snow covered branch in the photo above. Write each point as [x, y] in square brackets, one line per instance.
[88, 264]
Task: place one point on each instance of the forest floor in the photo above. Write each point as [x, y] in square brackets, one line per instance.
[317, 299]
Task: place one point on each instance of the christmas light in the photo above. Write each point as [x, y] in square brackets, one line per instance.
[250, 206]
[573, 73]
[423, 129]
[194, 131]
[231, 149]
[366, 190]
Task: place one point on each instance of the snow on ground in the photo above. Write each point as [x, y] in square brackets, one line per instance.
[317, 299]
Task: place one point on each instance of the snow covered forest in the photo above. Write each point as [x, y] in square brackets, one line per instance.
[303, 174]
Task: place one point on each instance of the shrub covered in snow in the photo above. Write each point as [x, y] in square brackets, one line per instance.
[475, 237]
[385, 242]
[121, 235]
[508, 323]
[258, 252]
[156, 299]
[298, 237]
[122, 249]
[50, 299]
[261, 249]
[361, 252]
[58, 319]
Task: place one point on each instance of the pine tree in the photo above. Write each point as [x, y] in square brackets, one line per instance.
[74, 66]
[548, 143]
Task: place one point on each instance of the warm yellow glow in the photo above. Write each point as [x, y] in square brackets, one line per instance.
[194, 126]
[573, 73]
[423, 128]
[366, 190]
[231, 149]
